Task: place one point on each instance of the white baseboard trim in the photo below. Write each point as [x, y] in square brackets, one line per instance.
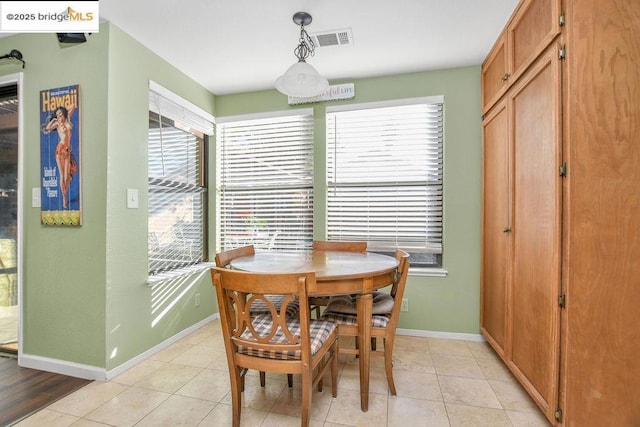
[100, 374]
[63, 367]
[438, 334]
[156, 349]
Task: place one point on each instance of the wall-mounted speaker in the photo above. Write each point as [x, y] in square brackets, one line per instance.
[71, 37]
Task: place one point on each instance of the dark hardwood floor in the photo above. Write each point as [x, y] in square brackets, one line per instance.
[24, 391]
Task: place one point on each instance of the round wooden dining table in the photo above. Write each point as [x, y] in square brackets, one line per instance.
[337, 273]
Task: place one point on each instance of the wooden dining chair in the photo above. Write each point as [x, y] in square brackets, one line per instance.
[335, 245]
[384, 319]
[274, 341]
[324, 245]
[223, 259]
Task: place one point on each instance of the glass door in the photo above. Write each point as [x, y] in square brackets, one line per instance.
[8, 219]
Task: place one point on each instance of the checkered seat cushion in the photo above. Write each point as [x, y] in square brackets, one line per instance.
[377, 321]
[262, 324]
[259, 306]
[343, 310]
[382, 303]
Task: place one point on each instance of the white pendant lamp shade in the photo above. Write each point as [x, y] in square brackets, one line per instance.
[301, 80]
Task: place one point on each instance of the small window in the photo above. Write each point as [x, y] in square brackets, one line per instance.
[385, 177]
[177, 184]
[265, 182]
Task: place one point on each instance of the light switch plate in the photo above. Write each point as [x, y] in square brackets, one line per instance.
[132, 198]
[36, 200]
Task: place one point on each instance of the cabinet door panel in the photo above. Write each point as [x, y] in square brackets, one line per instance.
[602, 351]
[495, 218]
[534, 26]
[537, 229]
[494, 74]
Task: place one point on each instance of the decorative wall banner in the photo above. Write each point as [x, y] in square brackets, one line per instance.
[343, 91]
[60, 156]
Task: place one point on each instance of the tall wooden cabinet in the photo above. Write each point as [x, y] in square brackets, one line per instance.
[560, 291]
[522, 229]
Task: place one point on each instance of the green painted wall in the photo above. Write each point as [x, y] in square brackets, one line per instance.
[64, 273]
[85, 299]
[139, 317]
[449, 304]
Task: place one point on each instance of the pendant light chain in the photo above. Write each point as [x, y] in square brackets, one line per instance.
[306, 47]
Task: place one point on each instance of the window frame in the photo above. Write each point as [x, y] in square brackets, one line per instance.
[188, 121]
[302, 181]
[334, 184]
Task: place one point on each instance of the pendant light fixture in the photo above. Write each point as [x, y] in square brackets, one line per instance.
[301, 79]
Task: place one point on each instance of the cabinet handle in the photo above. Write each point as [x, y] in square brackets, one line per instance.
[505, 77]
[506, 230]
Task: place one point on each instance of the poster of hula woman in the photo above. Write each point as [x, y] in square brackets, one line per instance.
[60, 156]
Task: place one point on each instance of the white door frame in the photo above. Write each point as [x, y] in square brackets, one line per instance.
[7, 80]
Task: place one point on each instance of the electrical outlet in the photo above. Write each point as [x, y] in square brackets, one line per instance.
[405, 305]
[197, 300]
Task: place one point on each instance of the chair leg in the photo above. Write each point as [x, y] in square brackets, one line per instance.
[237, 379]
[307, 390]
[373, 344]
[388, 364]
[243, 373]
[290, 380]
[321, 367]
[334, 370]
[262, 378]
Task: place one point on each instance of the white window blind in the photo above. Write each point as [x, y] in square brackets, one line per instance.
[185, 114]
[177, 191]
[384, 171]
[265, 182]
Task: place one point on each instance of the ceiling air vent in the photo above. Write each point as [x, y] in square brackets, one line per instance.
[332, 38]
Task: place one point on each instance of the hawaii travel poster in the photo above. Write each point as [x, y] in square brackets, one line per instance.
[60, 156]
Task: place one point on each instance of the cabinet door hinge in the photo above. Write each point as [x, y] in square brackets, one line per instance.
[563, 169]
[561, 20]
[562, 300]
[562, 53]
[558, 415]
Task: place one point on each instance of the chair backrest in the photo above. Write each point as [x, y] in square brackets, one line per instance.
[397, 290]
[224, 258]
[236, 291]
[322, 245]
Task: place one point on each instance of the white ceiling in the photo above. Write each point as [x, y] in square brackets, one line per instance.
[232, 46]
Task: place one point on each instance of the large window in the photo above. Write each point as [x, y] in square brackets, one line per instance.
[177, 182]
[384, 172]
[265, 181]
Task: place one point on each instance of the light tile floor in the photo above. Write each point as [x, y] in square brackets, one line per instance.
[439, 383]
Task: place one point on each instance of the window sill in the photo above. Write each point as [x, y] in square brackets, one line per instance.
[178, 273]
[428, 272]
